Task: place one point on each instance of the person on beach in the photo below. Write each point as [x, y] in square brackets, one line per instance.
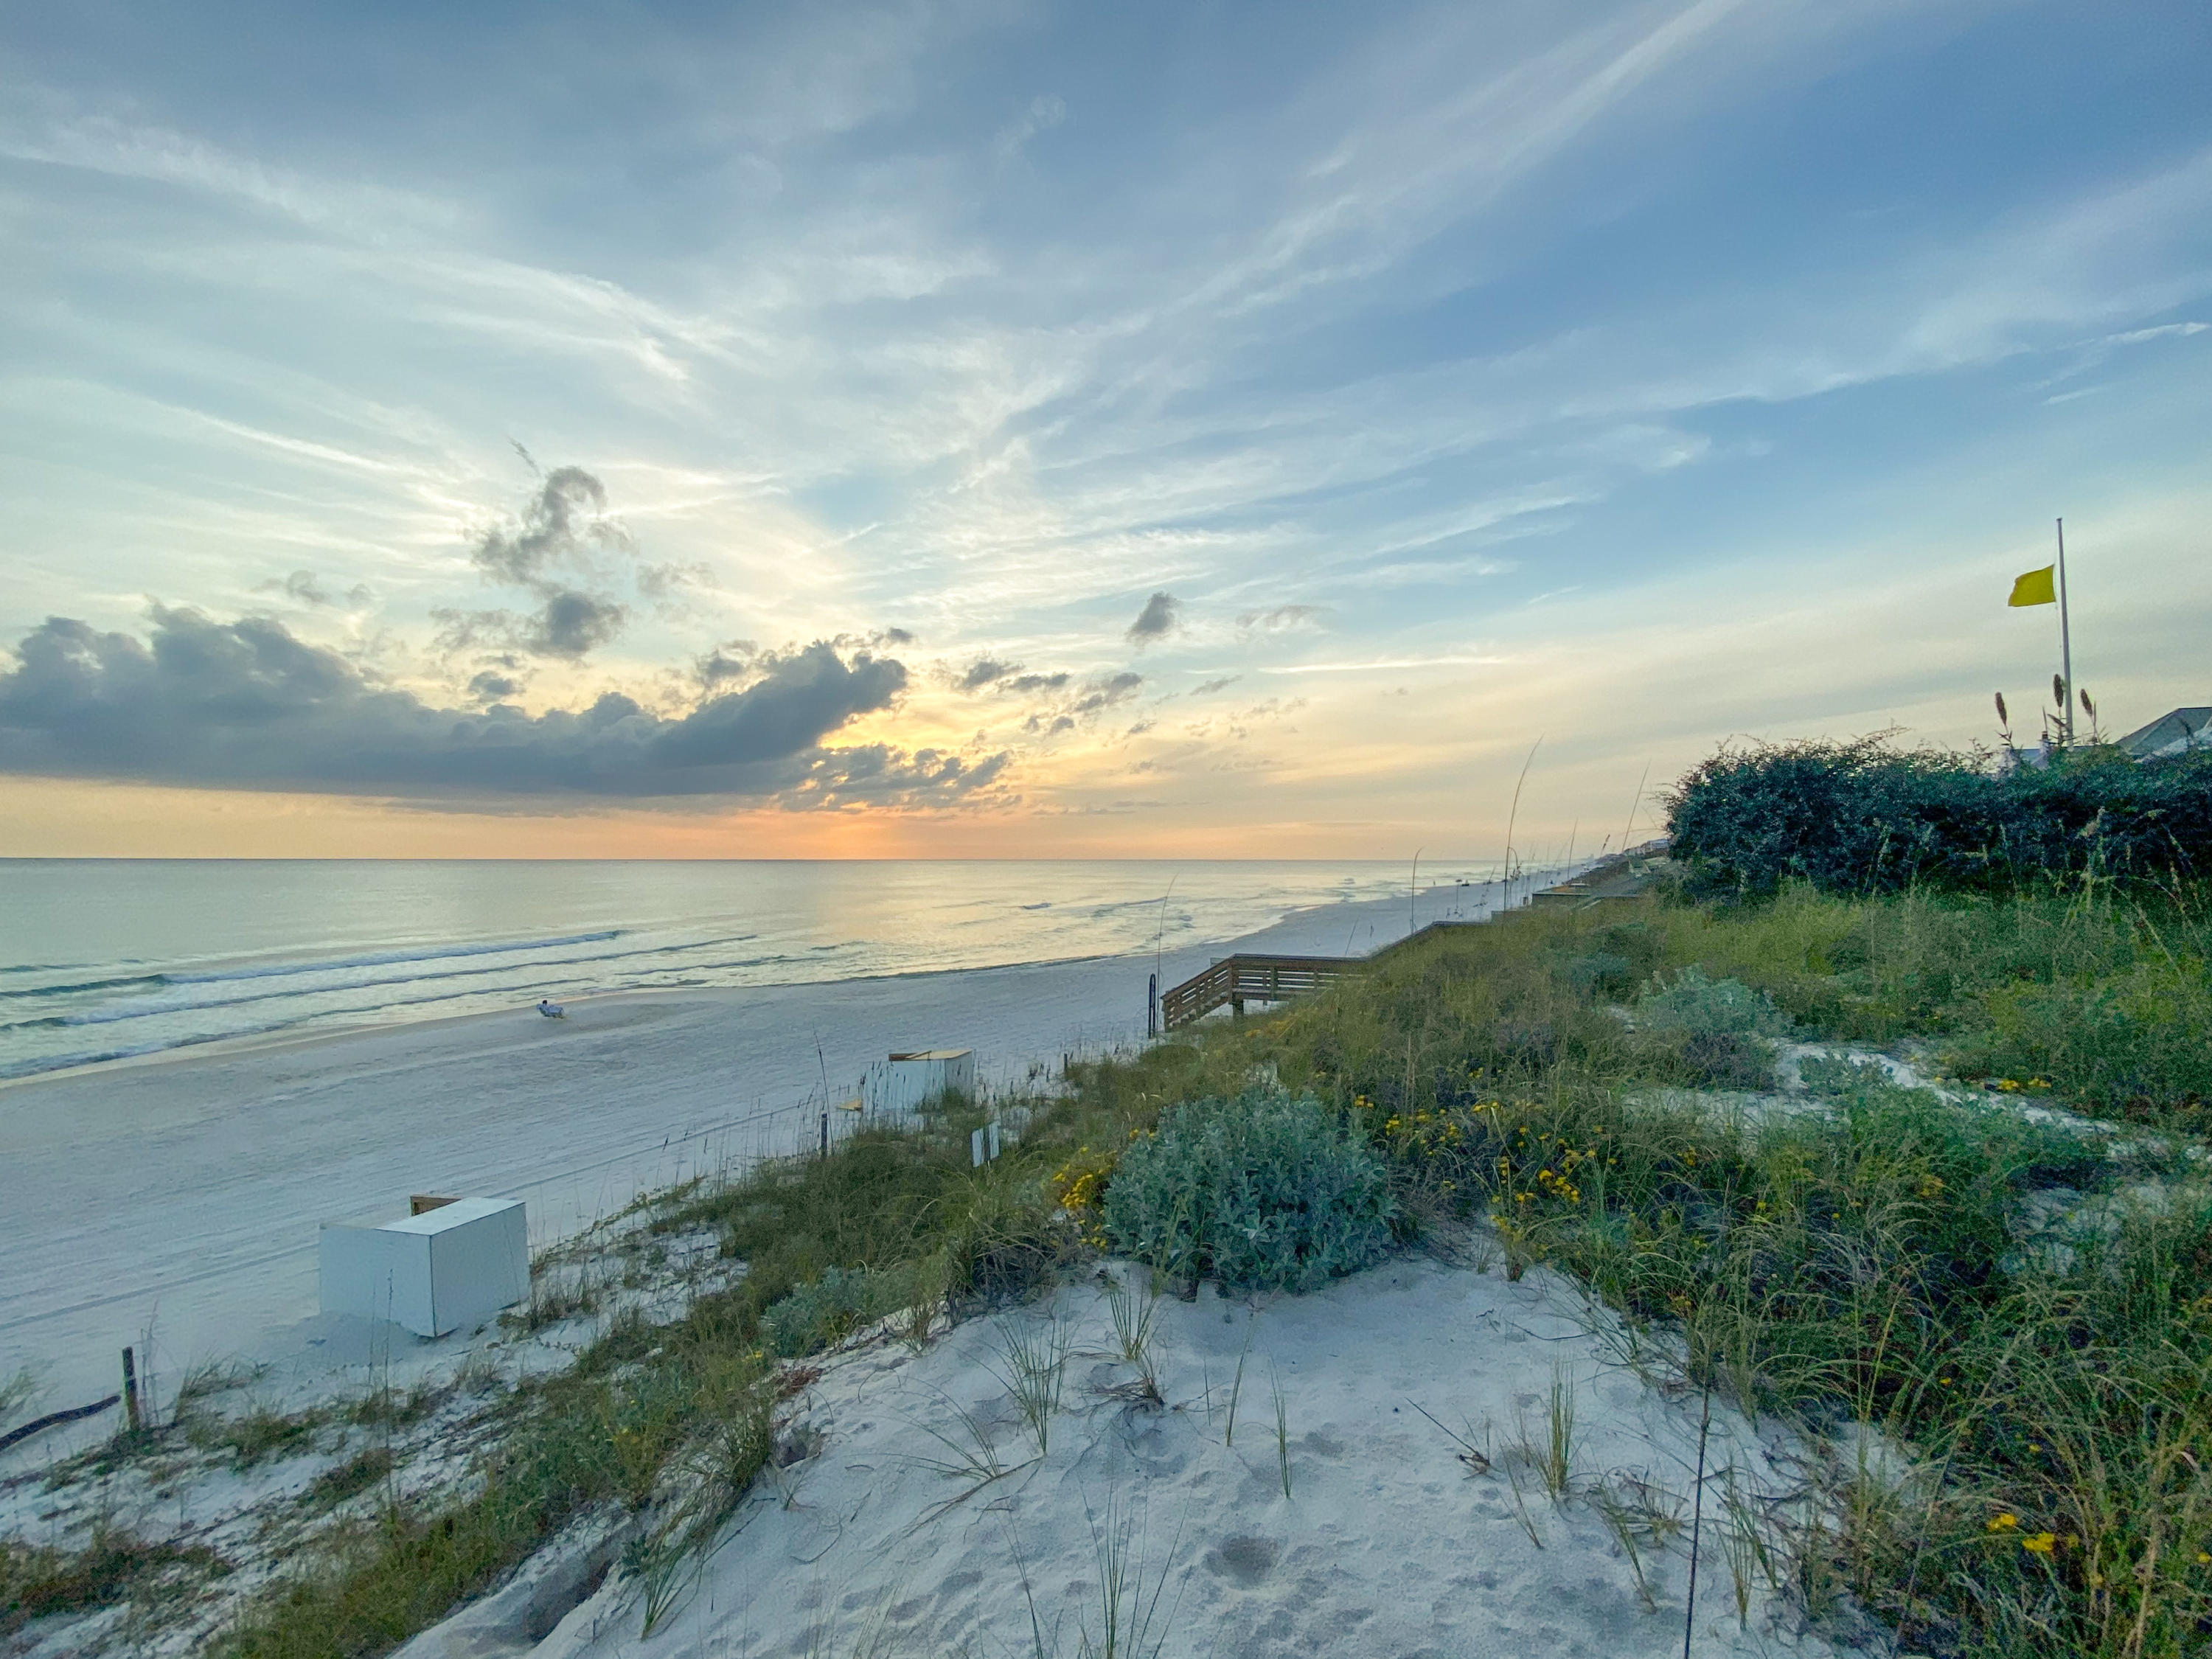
[550, 1009]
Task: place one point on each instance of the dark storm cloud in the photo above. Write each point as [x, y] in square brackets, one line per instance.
[983, 672]
[1159, 618]
[489, 687]
[246, 703]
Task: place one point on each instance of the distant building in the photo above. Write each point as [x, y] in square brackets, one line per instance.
[2176, 732]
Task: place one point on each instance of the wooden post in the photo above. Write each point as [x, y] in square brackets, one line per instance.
[1152, 1007]
[825, 1134]
[131, 1410]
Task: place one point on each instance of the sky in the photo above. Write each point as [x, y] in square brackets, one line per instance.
[1013, 429]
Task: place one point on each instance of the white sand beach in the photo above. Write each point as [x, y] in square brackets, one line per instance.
[183, 1196]
[1387, 1542]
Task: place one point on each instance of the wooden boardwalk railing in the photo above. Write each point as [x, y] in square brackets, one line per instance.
[1234, 981]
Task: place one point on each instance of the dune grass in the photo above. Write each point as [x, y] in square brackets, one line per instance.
[1857, 1260]
[2102, 994]
[114, 1565]
[674, 1420]
[1854, 1260]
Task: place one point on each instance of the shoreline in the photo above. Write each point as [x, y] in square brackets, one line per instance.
[218, 1050]
[184, 1191]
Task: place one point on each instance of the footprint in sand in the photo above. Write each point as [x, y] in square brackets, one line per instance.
[1243, 1560]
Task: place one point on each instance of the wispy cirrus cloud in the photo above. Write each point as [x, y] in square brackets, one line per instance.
[867, 316]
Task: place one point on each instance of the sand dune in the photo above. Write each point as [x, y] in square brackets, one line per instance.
[1387, 1542]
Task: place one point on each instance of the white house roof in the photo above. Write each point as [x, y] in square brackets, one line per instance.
[2175, 732]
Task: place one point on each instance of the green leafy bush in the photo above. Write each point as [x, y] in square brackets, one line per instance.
[1727, 1059]
[1265, 1190]
[814, 1315]
[1862, 818]
[1700, 1006]
[1840, 1074]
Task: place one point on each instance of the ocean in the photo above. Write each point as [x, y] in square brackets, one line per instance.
[105, 959]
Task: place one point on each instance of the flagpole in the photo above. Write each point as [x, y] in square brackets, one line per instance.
[2065, 635]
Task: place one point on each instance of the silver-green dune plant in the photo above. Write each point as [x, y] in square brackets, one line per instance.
[1694, 1002]
[815, 1315]
[1263, 1189]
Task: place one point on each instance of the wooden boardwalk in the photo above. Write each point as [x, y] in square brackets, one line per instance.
[1234, 981]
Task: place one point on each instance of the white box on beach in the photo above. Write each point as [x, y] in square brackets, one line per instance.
[907, 1080]
[454, 1265]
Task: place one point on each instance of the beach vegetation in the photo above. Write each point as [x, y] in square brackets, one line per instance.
[370, 1467]
[1133, 1304]
[1697, 1005]
[258, 1435]
[1888, 1251]
[1863, 816]
[2015, 1300]
[1033, 1364]
[1262, 1188]
[114, 1565]
[815, 1315]
[1282, 1432]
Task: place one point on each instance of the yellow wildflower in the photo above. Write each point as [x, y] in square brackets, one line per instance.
[2041, 1543]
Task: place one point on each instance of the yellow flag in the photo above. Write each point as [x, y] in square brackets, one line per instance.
[2034, 588]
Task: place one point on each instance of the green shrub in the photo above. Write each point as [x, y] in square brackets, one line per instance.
[1728, 1060]
[1602, 974]
[1265, 1190]
[1862, 818]
[1840, 1074]
[815, 1315]
[1700, 1006]
[2129, 1042]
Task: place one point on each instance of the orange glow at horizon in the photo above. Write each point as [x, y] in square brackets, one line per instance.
[63, 818]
